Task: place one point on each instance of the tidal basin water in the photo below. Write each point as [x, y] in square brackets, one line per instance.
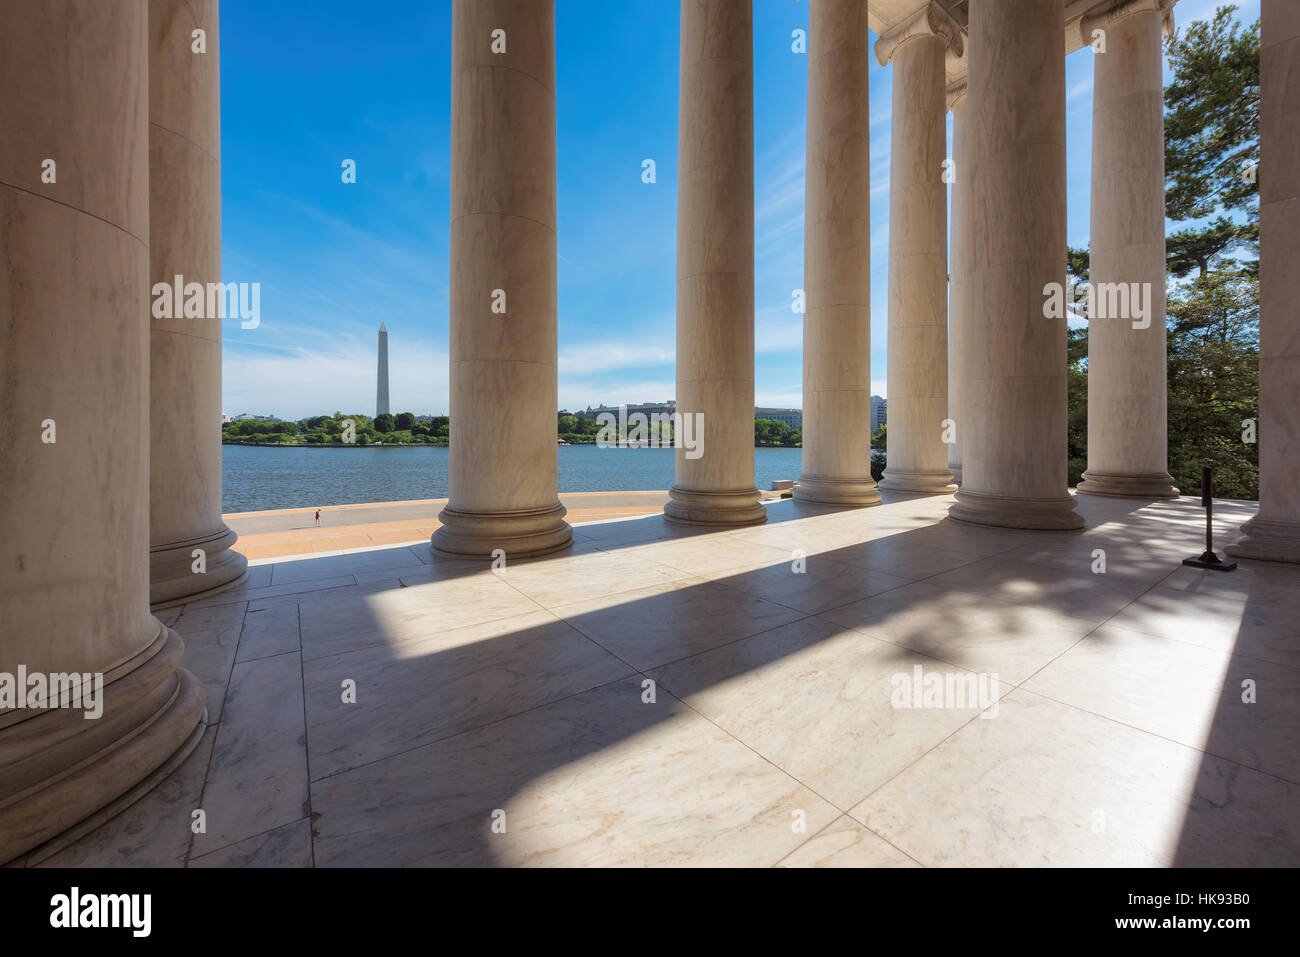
[256, 479]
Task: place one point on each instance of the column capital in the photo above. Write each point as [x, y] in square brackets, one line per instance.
[930, 21]
[1109, 13]
[956, 94]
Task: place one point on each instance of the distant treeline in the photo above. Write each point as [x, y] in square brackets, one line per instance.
[403, 429]
[339, 429]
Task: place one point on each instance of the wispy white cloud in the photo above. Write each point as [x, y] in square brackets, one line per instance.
[592, 357]
[321, 382]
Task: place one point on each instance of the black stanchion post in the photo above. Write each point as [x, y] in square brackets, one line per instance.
[1208, 559]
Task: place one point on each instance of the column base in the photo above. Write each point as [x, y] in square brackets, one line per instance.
[172, 580]
[1125, 485]
[690, 507]
[62, 775]
[982, 508]
[956, 474]
[920, 481]
[1268, 541]
[850, 493]
[525, 533]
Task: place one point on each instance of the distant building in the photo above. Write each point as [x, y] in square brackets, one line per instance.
[791, 417]
[879, 407]
[645, 408]
[381, 389]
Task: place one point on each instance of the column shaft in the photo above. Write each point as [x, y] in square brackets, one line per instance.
[959, 269]
[715, 264]
[1274, 534]
[503, 283]
[1127, 387]
[1014, 444]
[185, 353]
[74, 434]
[917, 457]
[837, 261]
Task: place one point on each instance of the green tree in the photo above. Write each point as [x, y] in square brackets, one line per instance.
[1212, 118]
[384, 422]
[1211, 145]
[405, 420]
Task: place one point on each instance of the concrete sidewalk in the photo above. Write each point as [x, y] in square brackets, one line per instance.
[287, 532]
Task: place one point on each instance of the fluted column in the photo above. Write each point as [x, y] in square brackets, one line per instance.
[918, 254]
[958, 269]
[1014, 442]
[837, 261]
[715, 264]
[74, 433]
[1127, 388]
[185, 353]
[1274, 534]
[503, 283]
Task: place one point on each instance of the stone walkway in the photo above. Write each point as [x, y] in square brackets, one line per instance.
[661, 697]
[291, 532]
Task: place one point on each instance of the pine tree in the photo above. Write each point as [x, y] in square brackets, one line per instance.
[1211, 148]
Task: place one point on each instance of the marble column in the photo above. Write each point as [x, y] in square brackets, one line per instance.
[1127, 388]
[1274, 534]
[917, 458]
[1014, 444]
[74, 436]
[837, 262]
[189, 550]
[958, 268]
[715, 264]
[503, 284]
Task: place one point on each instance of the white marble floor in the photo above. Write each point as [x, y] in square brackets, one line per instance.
[657, 696]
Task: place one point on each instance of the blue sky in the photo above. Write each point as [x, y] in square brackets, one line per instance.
[302, 92]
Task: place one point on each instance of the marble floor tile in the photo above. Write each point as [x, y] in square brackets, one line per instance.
[1014, 646]
[209, 656]
[1119, 738]
[846, 843]
[267, 632]
[895, 555]
[813, 537]
[921, 612]
[593, 574]
[1142, 562]
[1045, 784]
[1267, 582]
[210, 617]
[338, 623]
[817, 700]
[713, 556]
[1264, 629]
[1078, 594]
[334, 566]
[258, 776]
[286, 846]
[152, 832]
[600, 779]
[431, 688]
[1190, 694]
[819, 585]
[271, 591]
[169, 616]
[663, 622]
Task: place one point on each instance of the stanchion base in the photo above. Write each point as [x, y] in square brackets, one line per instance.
[1210, 560]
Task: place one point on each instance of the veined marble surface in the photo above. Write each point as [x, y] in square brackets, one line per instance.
[506, 718]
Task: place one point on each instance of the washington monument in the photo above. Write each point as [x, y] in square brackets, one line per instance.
[381, 390]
